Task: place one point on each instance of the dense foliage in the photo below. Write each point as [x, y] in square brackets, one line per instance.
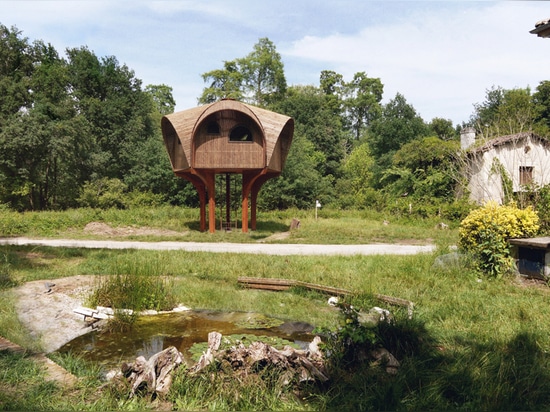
[486, 230]
[81, 130]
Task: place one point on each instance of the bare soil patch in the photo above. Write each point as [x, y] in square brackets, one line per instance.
[275, 236]
[103, 229]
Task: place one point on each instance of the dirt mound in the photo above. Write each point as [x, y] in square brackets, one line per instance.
[103, 229]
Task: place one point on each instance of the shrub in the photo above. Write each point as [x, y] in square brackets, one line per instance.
[103, 194]
[486, 230]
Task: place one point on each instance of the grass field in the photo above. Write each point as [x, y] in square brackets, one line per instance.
[474, 343]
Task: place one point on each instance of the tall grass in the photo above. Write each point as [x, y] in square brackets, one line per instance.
[331, 227]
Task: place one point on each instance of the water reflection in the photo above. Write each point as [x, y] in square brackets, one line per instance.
[152, 334]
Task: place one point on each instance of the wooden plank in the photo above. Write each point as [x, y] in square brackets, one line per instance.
[285, 284]
[324, 289]
[266, 281]
[399, 302]
[90, 313]
[267, 287]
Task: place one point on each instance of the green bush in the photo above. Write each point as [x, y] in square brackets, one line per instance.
[486, 230]
[103, 194]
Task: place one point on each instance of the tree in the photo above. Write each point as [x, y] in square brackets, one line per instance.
[225, 83]
[399, 124]
[163, 100]
[258, 78]
[116, 109]
[504, 112]
[354, 187]
[300, 184]
[42, 157]
[443, 128]
[315, 120]
[541, 101]
[423, 168]
[263, 74]
[16, 69]
[362, 101]
[332, 85]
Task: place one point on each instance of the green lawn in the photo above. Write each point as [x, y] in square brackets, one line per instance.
[474, 343]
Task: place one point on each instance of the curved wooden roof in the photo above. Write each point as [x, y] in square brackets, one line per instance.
[180, 128]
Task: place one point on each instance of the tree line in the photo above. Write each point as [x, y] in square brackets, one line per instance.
[82, 130]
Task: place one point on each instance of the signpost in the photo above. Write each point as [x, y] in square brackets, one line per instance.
[317, 206]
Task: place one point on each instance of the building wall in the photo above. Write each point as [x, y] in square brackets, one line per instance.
[216, 151]
[485, 182]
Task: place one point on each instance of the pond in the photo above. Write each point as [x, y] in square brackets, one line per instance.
[184, 330]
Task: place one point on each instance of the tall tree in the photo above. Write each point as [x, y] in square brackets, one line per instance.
[224, 83]
[423, 168]
[362, 101]
[258, 78]
[399, 124]
[443, 128]
[263, 74]
[315, 120]
[115, 107]
[16, 69]
[163, 100]
[504, 111]
[541, 101]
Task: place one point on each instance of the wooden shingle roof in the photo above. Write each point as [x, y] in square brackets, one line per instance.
[278, 129]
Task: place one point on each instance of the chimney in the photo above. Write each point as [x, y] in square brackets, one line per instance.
[467, 137]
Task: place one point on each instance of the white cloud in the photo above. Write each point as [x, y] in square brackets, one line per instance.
[441, 60]
[441, 55]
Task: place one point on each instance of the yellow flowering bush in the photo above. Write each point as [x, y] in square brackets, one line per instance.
[485, 231]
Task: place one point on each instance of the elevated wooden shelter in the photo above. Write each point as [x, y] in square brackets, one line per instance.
[227, 137]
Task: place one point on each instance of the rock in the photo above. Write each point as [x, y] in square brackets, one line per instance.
[333, 301]
[373, 317]
[448, 261]
[384, 357]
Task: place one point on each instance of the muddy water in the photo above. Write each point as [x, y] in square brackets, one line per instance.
[151, 334]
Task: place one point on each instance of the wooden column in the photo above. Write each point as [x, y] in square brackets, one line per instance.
[256, 186]
[227, 200]
[251, 180]
[211, 188]
[200, 186]
[248, 180]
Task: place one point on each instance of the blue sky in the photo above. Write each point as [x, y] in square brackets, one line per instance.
[441, 55]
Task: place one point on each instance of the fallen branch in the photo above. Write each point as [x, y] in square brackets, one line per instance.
[285, 284]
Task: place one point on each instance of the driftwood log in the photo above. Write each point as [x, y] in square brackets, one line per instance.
[294, 365]
[152, 376]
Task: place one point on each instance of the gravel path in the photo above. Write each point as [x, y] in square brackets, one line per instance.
[253, 248]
